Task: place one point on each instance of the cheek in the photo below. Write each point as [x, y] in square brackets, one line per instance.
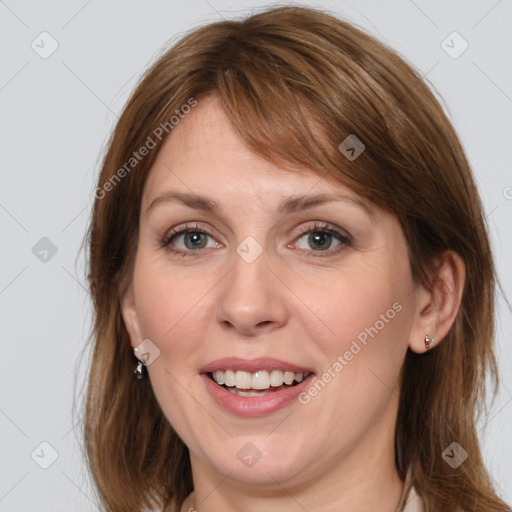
[368, 315]
[169, 302]
[362, 303]
[171, 313]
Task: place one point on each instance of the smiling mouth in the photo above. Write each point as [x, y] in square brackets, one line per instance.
[253, 384]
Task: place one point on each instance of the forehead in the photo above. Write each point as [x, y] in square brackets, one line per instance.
[204, 155]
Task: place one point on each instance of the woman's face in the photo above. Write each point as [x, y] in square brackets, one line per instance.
[267, 287]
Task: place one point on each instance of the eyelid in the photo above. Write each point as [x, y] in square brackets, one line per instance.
[343, 236]
[182, 229]
[319, 225]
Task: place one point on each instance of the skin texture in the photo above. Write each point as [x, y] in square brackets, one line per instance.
[295, 302]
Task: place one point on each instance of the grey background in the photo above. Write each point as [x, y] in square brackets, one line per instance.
[56, 115]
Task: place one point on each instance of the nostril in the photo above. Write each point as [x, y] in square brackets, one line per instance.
[264, 324]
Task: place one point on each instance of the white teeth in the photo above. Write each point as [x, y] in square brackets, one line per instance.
[229, 377]
[276, 378]
[240, 392]
[288, 377]
[243, 380]
[259, 380]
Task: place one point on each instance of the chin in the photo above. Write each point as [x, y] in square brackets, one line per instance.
[258, 461]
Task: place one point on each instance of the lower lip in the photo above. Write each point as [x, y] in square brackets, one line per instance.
[254, 406]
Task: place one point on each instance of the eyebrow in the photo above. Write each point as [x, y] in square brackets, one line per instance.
[291, 204]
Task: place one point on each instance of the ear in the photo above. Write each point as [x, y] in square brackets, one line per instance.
[437, 308]
[129, 313]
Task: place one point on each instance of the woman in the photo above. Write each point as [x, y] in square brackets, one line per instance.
[288, 249]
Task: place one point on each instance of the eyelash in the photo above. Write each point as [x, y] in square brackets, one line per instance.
[319, 227]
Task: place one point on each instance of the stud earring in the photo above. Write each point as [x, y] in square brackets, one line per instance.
[428, 341]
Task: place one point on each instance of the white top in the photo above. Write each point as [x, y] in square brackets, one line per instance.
[413, 503]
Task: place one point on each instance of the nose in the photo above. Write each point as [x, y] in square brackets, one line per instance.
[252, 298]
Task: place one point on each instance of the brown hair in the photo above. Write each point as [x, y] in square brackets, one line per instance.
[295, 82]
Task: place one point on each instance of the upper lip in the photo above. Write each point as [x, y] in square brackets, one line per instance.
[253, 365]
